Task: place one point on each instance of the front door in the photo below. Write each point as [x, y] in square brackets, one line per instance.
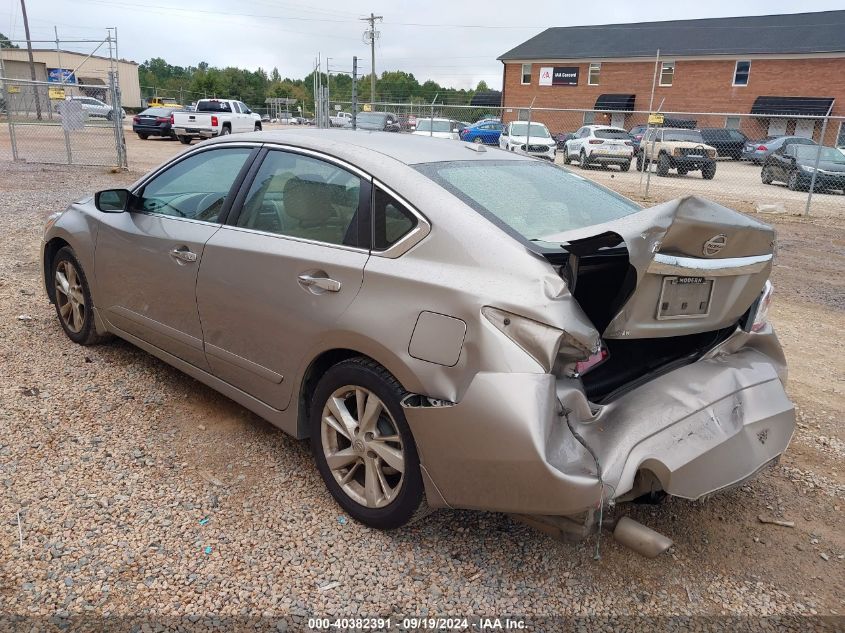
[281, 274]
[146, 260]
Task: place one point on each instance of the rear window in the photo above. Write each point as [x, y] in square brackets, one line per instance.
[157, 112]
[533, 199]
[213, 106]
[612, 134]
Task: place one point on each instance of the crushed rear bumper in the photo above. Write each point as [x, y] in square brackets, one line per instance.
[510, 444]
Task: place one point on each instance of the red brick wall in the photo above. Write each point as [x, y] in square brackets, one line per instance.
[698, 86]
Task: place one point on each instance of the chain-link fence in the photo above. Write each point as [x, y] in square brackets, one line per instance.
[47, 122]
[767, 164]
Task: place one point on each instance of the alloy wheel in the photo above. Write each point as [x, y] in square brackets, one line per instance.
[70, 298]
[362, 446]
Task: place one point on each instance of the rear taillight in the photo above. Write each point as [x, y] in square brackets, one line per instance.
[136, 119]
[583, 366]
[172, 119]
[162, 119]
[762, 148]
[761, 313]
[213, 121]
[639, 137]
[596, 141]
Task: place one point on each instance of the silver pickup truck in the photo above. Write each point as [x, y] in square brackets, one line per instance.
[214, 117]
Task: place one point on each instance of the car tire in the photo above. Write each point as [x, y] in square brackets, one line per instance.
[625, 166]
[766, 175]
[72, 299]
[143, 137]
[354, 482]
[708, 172]
[225, 131]
[663, 165]
[478, 140]
[185, 140]
[793, 181]
[582, 160]
[257, 127]
[639, 162]
[566, 158]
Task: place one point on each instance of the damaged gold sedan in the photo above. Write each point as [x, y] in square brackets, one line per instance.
[447, 324]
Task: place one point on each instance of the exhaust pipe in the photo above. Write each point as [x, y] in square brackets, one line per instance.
[640, 538]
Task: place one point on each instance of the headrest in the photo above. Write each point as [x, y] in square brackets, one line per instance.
[307, 198]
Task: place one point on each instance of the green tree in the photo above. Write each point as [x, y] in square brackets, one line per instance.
[5, 42]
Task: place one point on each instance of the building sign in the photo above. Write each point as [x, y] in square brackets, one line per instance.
[60, 75]
[57, 94]
[559, 75]
[655, 118]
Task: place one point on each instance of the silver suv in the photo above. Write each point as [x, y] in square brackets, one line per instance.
[677, 148]
[94, 108]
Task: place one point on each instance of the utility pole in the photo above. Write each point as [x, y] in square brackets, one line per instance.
[31, 60]
[370, 35]
[355, 93]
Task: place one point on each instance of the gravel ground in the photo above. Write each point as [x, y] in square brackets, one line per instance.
[129, 490]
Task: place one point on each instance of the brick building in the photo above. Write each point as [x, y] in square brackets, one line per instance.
[766, 66]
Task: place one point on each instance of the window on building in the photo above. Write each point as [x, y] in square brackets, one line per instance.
[526, 74]
[593, 76]
[589, 118]
[840, 138]
[732, 122]
[667, 73]
[741, 73]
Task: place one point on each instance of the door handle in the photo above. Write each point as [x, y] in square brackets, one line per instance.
[183, 255]
[323, 283]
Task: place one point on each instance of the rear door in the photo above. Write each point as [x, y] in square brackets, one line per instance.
[146, 260]
[282, 270]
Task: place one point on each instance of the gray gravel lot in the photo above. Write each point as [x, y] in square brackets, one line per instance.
[114, 461]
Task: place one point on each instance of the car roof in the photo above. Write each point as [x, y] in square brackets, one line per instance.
[367, 149]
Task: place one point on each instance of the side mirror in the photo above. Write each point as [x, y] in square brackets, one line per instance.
[112, 200]
[504, 132]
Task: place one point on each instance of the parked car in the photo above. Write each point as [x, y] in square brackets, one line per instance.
[438, 128]
[340, 119]
[536, 141]
[486, 132]
[681, 149]
[636, 134]
[795, 164]
[214, 117]
[94, 108]
[153, 122]
[728, 142]
[375, 121]
[407, 122]
[265, 118]
[758, 151]
[561, 138]
[600, 144]
[427, 351]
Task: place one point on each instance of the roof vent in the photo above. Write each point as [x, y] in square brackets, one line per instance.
[476, 147]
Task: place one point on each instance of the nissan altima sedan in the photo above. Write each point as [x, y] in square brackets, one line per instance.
[450, 326]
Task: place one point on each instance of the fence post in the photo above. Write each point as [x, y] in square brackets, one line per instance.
[7, 100]
[117, 121]
[818, 158]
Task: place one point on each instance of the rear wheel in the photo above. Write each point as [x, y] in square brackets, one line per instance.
[582, 160]
[639, 162]
[663, 165]
[225, 131]
[708, 172]
[257, 127]
[363, 446]
[766, 175]
[185, 140]
[143, 137]
[72, 297]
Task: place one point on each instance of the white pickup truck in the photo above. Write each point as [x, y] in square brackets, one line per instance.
[214, 117]
[340, 119]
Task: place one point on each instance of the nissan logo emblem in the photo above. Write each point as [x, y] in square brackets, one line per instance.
[715, 244]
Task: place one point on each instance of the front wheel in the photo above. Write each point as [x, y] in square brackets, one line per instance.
[478, 140]
[793, 181]
[708, 172]
[72, 298]
[185, 140]
[363, 446]
[766, 175]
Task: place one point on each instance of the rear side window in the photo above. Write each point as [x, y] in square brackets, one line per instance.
[303, 197]
[391, 220]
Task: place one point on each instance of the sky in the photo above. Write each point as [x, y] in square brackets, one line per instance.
[454, 43]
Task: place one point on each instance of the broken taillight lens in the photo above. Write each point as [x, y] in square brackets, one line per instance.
[761, 315]
[583, 366]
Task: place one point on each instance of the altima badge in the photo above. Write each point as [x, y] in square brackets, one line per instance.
[715, 244]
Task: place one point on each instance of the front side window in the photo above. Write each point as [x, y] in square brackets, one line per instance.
[536, 200]
[194, 188]
[303, 197]
[391, 220]
[742, 70]
[593, 76]
[526, 74]
[667, 73]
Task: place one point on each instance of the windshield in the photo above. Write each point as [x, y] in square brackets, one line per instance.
[612, 134]
[538, 130]
[372, 118]
[534, 199]
[689, 136]
[213, 106]
[427, 125]
[828, 154]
